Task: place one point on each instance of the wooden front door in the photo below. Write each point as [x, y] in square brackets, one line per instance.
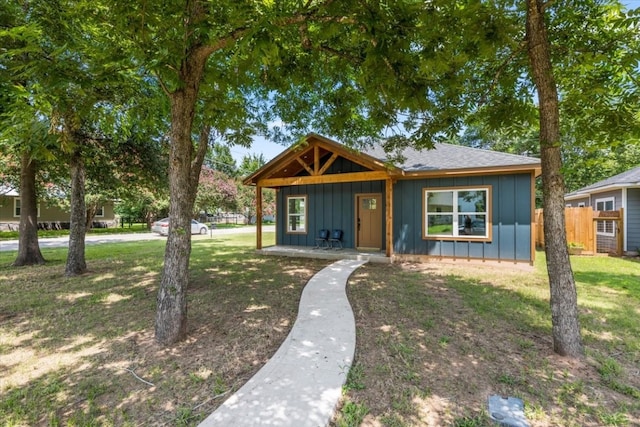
[369, 221]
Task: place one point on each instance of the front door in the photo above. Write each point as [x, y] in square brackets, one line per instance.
[369, 221]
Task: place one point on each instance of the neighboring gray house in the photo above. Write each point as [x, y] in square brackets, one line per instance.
[620, 191]
[452, 202]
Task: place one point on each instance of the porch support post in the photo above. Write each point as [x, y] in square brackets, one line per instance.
[620, 234]
[316, 160]
[389, 216]
[258, 217]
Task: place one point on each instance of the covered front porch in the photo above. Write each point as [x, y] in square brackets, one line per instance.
[330, 254]
[322, 185]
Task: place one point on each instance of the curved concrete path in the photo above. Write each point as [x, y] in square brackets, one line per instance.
[302, 383]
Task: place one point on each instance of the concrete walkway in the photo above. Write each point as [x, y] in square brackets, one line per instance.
[302, 383]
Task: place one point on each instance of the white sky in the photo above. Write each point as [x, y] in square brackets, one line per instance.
[260, 145]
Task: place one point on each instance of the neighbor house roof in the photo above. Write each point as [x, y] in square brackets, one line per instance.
[5, 190]
[630, 178]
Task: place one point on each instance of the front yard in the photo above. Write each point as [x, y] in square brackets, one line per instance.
[433, 342]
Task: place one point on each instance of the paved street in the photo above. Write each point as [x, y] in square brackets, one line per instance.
[57, 242]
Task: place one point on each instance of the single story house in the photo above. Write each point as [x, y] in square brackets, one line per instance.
[48, 216]
[621, 191]
[451, 202]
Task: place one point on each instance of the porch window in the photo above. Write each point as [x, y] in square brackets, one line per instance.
[296, 214]
[457, 213]
[605, 228]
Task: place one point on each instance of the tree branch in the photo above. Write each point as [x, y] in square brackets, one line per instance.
[162, 84]
[501, 68]
[545, 5]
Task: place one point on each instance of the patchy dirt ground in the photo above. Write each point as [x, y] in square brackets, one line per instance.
[81, 351]
[434, 342]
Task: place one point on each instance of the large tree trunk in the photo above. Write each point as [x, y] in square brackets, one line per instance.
[564, 303]
[184, 170]
[28, 247]
[76, 263]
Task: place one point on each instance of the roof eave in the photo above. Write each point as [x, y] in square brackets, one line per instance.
[487, 170]
[611, 187]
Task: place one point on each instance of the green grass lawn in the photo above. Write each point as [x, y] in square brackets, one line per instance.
[433, 340]
[69, 347]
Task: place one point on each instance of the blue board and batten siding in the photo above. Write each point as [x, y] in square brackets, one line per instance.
[333, 206]
[510, 211]
[330, 206]
[633, 219]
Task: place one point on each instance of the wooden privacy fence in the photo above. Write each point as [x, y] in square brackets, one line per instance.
[582, 230]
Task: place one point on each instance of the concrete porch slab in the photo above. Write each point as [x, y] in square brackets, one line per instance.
[330, 254]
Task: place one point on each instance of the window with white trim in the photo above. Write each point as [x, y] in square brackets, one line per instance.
[606, 228]
[296, 214]
[99, 212]
[461, 213]
[17, 208]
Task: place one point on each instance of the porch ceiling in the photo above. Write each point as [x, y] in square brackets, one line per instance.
[304, 164]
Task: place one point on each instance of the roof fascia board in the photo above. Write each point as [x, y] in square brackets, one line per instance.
[494, 170]
[610, 187]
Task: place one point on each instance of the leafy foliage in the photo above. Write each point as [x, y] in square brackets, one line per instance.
[216, 192]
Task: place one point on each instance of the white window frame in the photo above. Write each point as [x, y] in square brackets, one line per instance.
[99, 212]
[602, 226]
[456, 213]
[17, 204]
[303, 215]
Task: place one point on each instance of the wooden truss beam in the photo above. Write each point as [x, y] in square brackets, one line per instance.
[325, 179]
[328, 164]
[304, 165]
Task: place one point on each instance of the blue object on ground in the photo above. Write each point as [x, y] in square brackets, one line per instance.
[507, 411]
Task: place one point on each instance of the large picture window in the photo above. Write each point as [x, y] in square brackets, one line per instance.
[605, 228]
[457, 213]
[296, 214]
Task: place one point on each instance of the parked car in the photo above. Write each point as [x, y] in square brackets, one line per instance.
[162, 227]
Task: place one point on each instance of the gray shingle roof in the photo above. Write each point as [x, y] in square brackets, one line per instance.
[630, 177]
[451, 157]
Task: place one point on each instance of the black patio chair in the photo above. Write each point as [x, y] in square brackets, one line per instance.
[322, 241]
[335, 241]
